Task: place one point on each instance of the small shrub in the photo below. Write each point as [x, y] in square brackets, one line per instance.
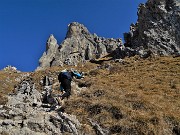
[95, 109]
[116, 113]
[172, 84]
[115, 129]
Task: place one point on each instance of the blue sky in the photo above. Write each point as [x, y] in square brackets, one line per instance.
[25, 25]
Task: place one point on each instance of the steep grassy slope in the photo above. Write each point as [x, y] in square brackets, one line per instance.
[8, 80]
[137, 97]
[132, 97]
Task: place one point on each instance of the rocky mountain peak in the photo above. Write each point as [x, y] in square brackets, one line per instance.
[79, 46]
[76, 29]
[51, 42]
[52, 39]
[49, 54]
[155, 32]
[157, 28]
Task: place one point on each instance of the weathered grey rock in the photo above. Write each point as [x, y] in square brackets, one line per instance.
[157, 28]
[79, 46]
[25, 114]
[49, 55]
[10, 68]
[98, 129]
[157, 31]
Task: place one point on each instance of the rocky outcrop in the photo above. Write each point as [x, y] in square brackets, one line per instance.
[79, 45]
[157, 28]
[157, 31]
[10, 68]
[49, 55]
[25, 113]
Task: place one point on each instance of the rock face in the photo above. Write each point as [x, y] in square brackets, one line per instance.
[157, 28]
[49, 55]
[79, 45]
[25, 114]
[157, 31]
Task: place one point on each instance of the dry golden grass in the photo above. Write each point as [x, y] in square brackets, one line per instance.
[140, 95]
[7, 83]
[135, 97]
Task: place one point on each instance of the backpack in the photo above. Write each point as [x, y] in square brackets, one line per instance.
[63, 75]
[77, 75]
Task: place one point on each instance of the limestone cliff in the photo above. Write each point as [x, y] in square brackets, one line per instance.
[157, 28]
[79, 45]
[157, 31]
[49, 54]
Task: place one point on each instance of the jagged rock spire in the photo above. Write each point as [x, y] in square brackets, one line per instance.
[157, 29]
[49, 55]
[76, 29]
[51, 42]
[79, 46]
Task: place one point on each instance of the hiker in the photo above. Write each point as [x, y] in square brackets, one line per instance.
[65, 77]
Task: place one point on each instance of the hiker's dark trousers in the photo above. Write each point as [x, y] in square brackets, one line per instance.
[66, 84]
